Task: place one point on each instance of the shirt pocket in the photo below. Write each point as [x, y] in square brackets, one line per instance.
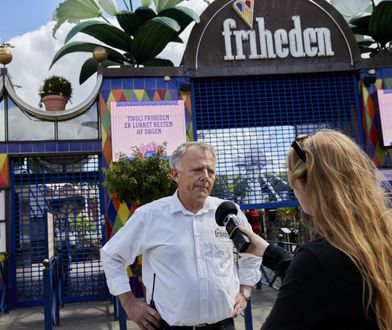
[223, 258]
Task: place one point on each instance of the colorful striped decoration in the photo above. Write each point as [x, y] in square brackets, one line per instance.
[381, 156]
[4, 171]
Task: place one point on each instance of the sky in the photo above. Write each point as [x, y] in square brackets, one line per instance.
[21, 16]
[27, 25]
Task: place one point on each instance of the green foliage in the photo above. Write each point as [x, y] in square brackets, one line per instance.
[141, 36]
[371, 23]
[287, 213]
[140, 179]
[56, 85]
[6, 45]
[82, 224]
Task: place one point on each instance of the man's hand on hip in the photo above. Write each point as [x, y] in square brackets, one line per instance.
[139, 312]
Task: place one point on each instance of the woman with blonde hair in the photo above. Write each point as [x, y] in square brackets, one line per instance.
[343, 278]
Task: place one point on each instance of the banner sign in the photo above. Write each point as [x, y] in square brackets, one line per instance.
[385, 110]
[145, 125]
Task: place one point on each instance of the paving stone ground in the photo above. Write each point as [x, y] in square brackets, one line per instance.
[98, 315]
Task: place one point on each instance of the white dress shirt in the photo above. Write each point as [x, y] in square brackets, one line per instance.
[197, 277]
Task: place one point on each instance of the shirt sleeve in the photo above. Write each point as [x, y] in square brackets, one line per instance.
[277, 259]
[121, 251]
[248, 264]
[303, 296]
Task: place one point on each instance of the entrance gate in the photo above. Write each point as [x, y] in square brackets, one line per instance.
[68, 187]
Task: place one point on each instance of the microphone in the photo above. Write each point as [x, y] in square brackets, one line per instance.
[226, 215]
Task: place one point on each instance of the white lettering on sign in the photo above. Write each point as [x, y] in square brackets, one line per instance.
[264, 43]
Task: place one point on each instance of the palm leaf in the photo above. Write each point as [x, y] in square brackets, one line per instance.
[89, 67]
[166, 22]
[184, 16]
[145, 13]
[130, 22]
[165, 4]
[130, 58]
[365, 49]
[107, 33]
[152, 37]
[109, 6]
[73, 11]
[359, 30]
[361, 20]
[365, 42]
[380, 24]
[158, 62]
[79, 46]
[177, 39]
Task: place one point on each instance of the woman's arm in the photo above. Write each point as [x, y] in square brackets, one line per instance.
[278, 259]
[274, 257]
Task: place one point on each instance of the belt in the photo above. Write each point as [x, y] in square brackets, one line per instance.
[193, 327]
[204, 326]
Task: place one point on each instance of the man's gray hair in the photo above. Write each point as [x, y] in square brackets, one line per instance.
[182, 149]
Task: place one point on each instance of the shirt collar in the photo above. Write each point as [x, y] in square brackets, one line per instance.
[177, 206]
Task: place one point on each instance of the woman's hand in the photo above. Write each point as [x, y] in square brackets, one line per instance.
[258, 244]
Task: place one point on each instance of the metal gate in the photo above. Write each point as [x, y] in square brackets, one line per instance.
[252, 122]
[68, 187]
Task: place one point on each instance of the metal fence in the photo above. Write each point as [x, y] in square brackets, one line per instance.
[68, 187]
[252, 122]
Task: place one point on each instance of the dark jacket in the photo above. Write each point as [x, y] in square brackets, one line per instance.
[322, 289]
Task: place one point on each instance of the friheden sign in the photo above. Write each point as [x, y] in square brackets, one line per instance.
[286, 36]
[281, 43]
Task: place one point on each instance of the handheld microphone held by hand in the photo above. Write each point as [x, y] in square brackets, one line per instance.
[226, 215]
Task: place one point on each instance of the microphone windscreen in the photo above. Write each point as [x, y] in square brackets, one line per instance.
[223, 211]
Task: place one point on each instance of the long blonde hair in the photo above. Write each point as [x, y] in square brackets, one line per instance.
[349, 209]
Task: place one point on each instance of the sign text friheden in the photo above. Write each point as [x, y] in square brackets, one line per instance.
[298, 43]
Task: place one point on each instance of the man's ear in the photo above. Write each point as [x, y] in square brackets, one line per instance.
[174, 174]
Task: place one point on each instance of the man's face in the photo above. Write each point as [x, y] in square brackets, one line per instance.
[195, 175]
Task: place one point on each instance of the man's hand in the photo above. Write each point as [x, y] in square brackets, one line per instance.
[240, 305]
[138, 311]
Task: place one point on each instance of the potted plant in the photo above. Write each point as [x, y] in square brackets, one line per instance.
[55, 93]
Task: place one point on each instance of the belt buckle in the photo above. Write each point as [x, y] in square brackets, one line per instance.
[195, 327]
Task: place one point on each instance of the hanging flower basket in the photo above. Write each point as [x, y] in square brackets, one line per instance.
[141, 178]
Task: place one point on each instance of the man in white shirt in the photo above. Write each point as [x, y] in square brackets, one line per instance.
[198, 281]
